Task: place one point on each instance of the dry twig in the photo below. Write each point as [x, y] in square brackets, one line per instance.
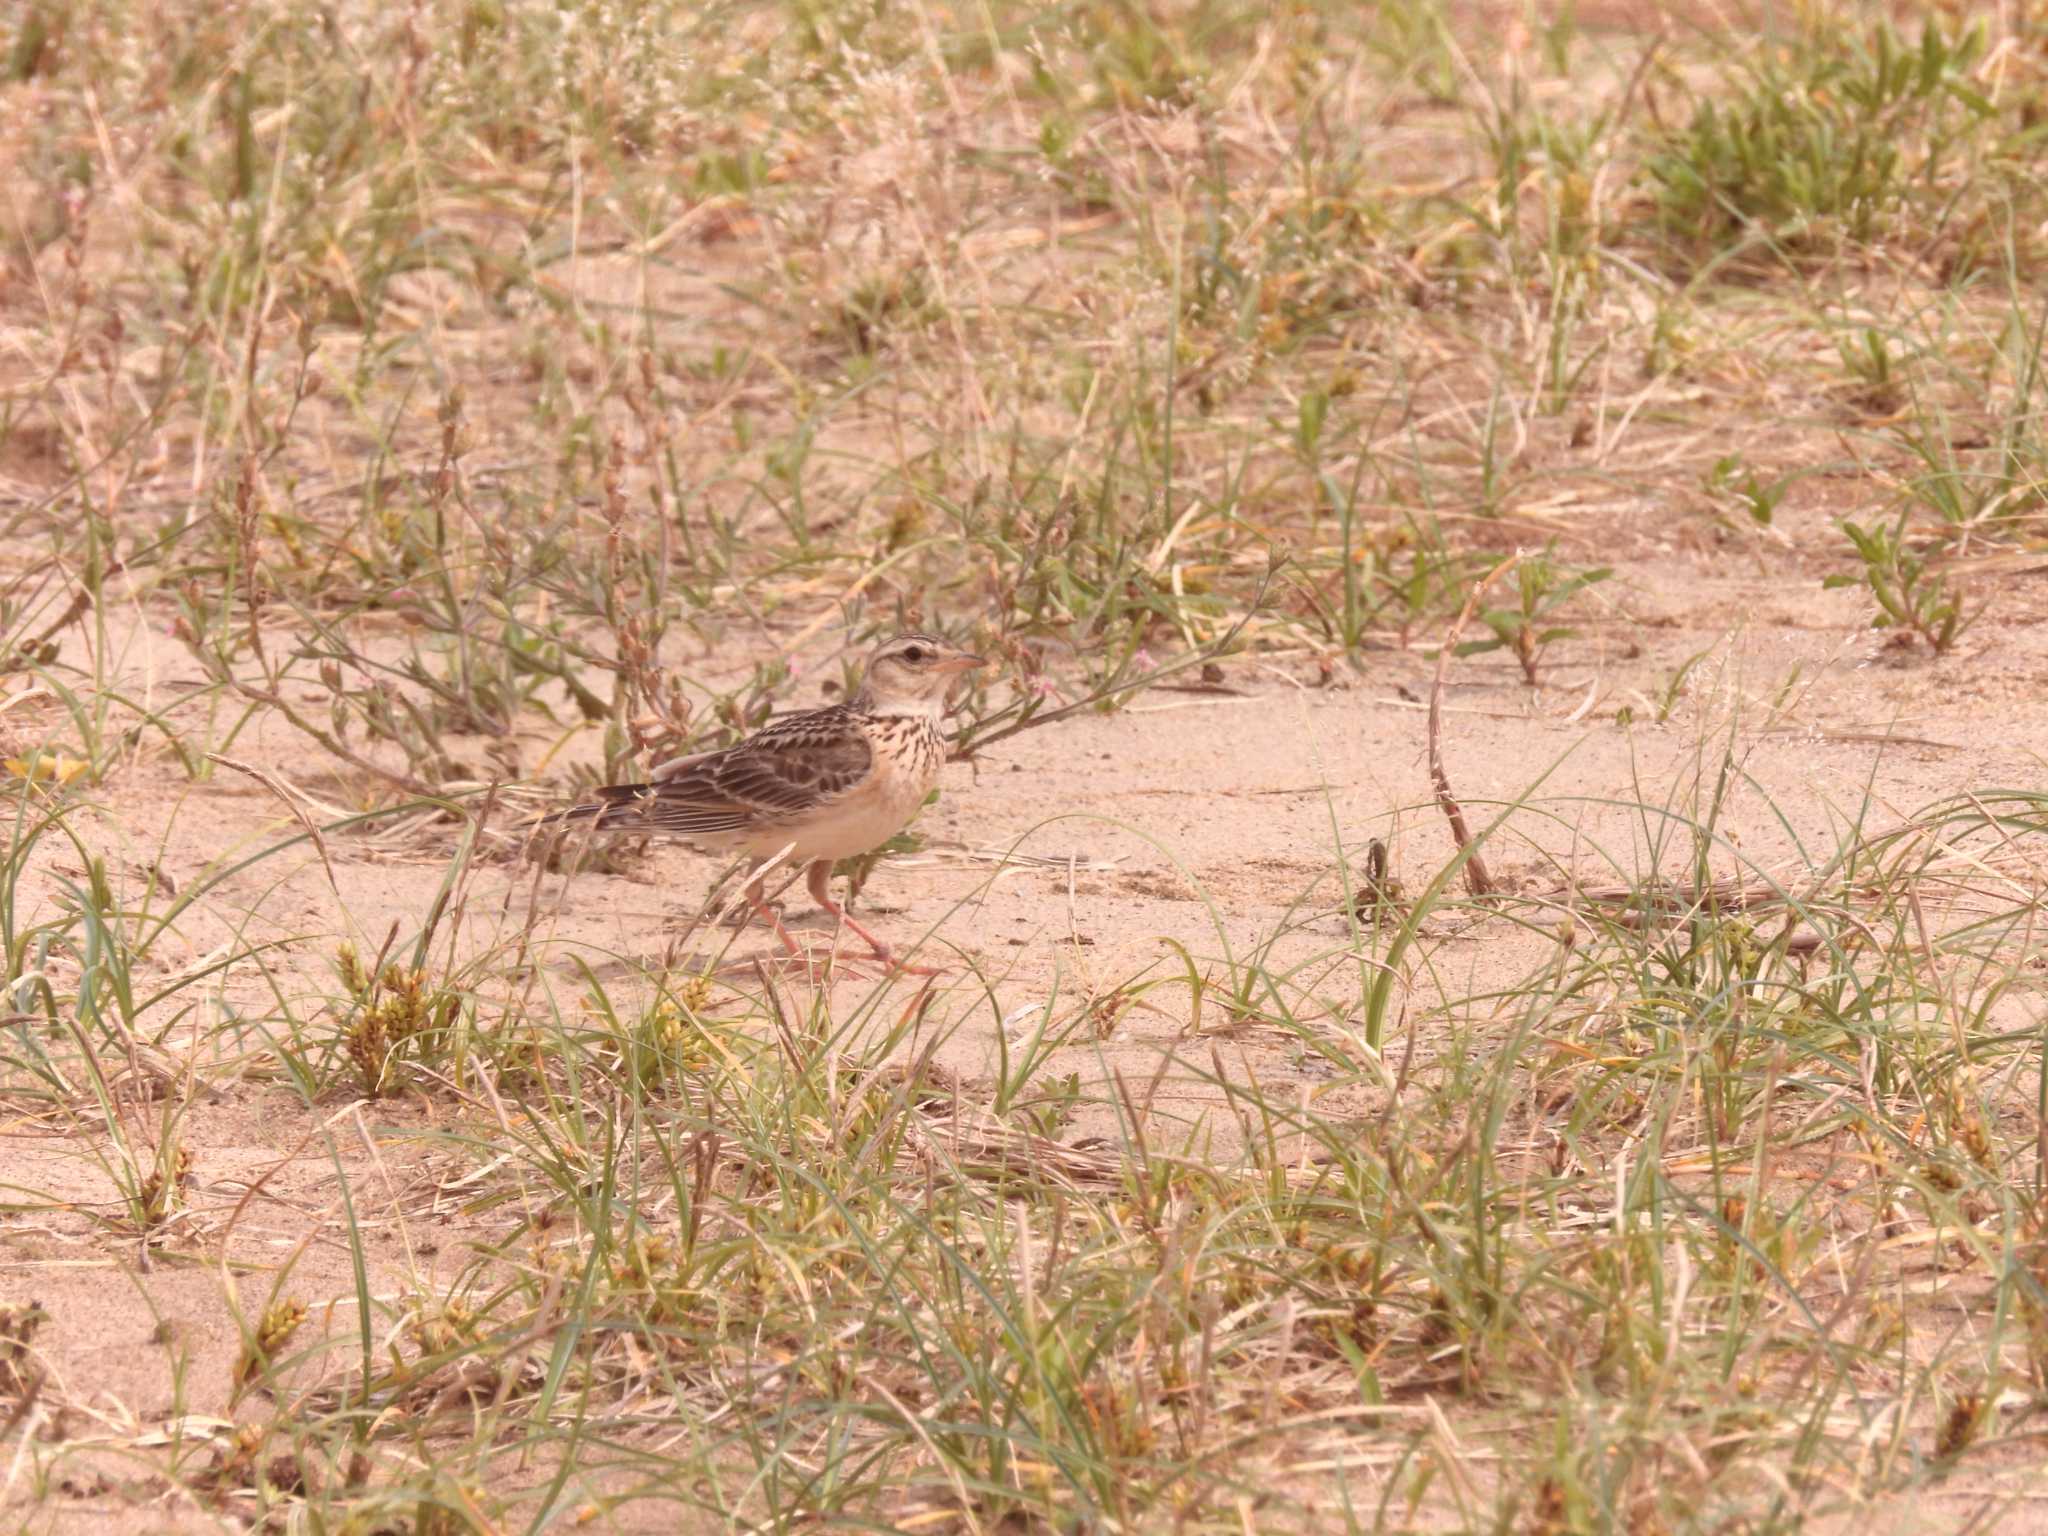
[1477, 880]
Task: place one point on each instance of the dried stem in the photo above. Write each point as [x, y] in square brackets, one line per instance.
[1477, 880]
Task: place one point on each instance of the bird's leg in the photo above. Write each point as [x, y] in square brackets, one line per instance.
[756, 898]
[819, 879]
[820, 882]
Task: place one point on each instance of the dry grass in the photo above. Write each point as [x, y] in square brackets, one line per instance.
[409, 415]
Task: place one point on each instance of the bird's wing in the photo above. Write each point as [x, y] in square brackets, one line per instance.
[676, 765]
[788, 767]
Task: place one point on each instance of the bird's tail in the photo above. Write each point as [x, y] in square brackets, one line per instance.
[616, 808]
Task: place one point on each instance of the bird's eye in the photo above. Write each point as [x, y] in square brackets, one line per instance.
[915, 653]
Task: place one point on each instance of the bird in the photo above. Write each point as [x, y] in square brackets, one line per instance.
[814, 787]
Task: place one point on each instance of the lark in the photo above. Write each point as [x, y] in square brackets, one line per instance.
[811, 788]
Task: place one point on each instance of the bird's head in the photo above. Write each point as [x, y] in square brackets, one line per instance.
[910, 674]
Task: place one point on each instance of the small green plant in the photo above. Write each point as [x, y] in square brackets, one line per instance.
[1672, 689]
[859, 869]
[879, 302]
[1733, 479]
[1830, 131]
[1868, 360]
[1049, 1110]
[1542, 589]
[1913, 598]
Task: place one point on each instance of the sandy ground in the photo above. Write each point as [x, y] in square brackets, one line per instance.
[1214, 820]
[1065, 867]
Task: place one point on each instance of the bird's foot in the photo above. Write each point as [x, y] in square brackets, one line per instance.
[880, 950]
[900, 967]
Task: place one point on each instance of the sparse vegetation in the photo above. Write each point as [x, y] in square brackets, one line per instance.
[1914, 599]
[411, 416]
[1541, 591]
[1833, 132]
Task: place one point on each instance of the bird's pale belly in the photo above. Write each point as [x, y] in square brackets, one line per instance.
[856, 824]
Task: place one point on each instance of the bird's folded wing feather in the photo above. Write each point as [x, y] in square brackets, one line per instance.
[789, 767]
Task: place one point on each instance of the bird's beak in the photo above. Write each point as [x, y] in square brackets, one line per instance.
[962, 663]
